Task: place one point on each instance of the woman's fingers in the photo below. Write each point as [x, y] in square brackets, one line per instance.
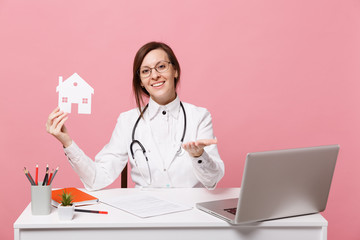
[201, 143]
[60, 125]
[189, 145]
[206, 142]
[192, 149]
[54, 114]
[59, 122]
[54, 111]
[56, 122]
[55, 125]
[197, 148]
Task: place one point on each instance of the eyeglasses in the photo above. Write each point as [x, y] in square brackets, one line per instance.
[160, 67]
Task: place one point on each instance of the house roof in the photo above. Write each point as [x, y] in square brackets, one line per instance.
[75, 83]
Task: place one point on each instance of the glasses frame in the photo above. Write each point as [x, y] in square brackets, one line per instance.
[170, 63]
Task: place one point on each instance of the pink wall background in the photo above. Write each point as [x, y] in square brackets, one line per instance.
[274, 74]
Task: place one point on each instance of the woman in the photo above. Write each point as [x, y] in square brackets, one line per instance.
[168, 143]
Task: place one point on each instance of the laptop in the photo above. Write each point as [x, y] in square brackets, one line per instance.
[279, 184]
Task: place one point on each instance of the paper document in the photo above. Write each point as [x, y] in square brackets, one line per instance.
[144, 206]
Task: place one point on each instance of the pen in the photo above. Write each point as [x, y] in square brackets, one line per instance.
[54, 175]
[90, 211]
[36, 174]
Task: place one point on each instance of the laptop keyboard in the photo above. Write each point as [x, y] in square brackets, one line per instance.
[231, 210]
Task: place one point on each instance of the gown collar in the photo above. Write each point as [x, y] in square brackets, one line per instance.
[173, 108]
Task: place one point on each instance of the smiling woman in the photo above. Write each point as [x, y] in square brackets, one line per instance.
[160, 84]
[158, 56]
[168, 143]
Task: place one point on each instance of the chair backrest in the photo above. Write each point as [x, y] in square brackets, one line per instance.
[124, 177]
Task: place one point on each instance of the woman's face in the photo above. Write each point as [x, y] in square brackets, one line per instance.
[160, 86]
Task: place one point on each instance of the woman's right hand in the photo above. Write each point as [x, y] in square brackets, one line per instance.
[55, 126]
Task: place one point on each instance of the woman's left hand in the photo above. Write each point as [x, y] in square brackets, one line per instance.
[196, 149]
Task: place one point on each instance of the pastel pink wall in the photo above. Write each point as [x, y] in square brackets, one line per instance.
[274, 74]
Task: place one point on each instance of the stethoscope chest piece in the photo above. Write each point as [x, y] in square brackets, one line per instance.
[180, 151]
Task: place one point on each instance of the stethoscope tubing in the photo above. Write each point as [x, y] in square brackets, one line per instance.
[134, 141]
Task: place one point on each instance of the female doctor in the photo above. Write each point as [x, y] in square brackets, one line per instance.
[169, 143]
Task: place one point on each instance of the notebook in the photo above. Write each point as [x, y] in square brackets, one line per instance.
[80, 197]
[279, 184]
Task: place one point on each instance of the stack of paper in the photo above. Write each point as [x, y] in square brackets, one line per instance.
[144, 206]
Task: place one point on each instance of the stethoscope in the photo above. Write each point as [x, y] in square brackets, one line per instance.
[143, 148]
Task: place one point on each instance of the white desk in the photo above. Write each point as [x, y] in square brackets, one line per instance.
[193, 224]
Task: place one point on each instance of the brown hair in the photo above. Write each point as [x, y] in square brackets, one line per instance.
[139, 57]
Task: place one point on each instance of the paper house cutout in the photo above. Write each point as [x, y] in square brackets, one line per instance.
[75, 90]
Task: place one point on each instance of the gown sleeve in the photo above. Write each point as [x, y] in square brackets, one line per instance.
[108, 164]
[208, 168]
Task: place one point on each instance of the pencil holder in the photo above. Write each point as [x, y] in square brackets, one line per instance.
[41, 199]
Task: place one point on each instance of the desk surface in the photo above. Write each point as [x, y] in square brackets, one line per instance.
[192, 218]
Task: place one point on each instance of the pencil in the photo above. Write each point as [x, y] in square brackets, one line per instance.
[56, 170]
[46, 178]
[32, 180]
[36, 174]
[90, 211]
[27, 175]
[48, 182]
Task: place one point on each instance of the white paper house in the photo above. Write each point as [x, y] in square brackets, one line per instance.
[75, 90]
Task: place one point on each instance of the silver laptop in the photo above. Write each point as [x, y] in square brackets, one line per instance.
[278, 184]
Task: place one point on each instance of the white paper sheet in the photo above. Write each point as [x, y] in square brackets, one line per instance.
[144, 206]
